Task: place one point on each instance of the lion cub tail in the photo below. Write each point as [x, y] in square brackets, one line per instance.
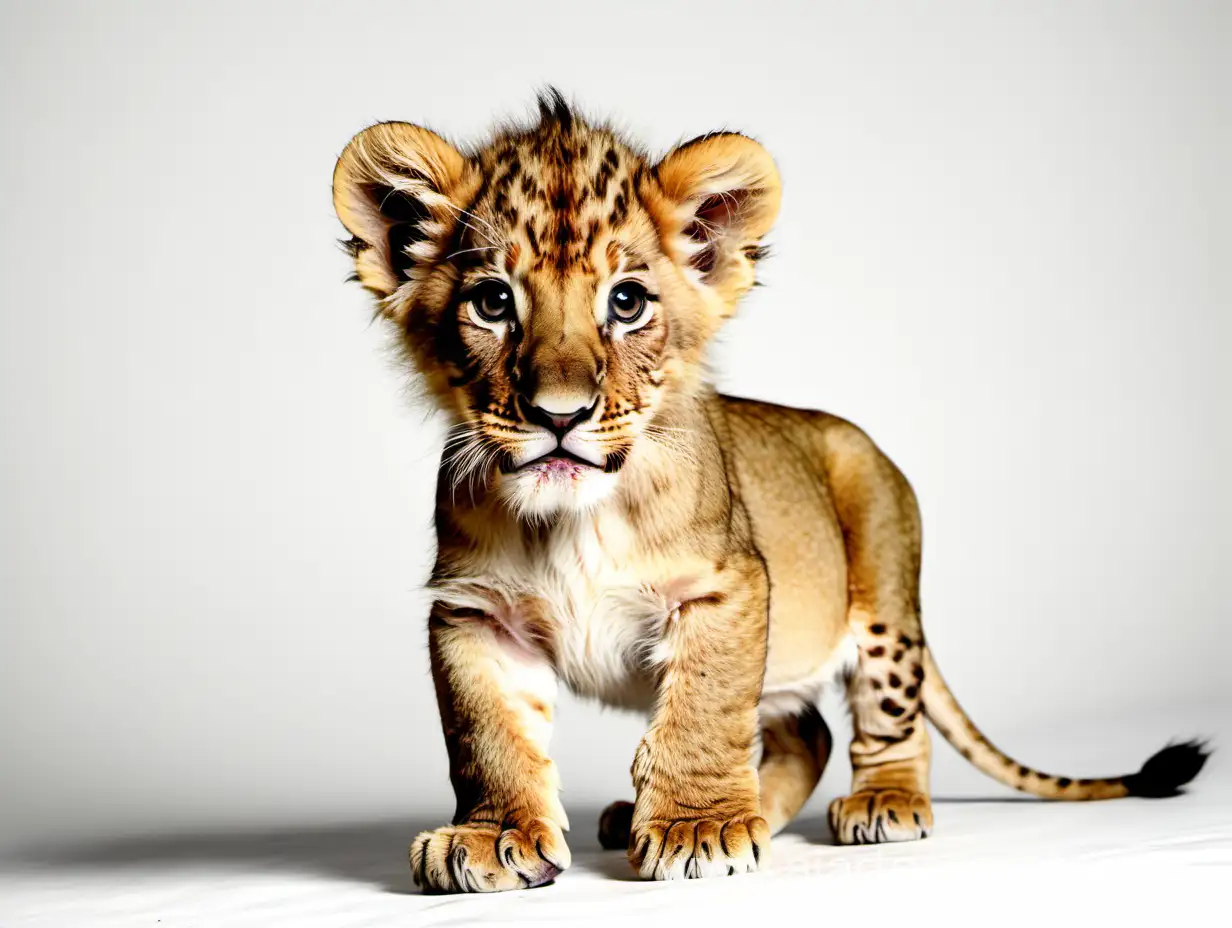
[1162, 775]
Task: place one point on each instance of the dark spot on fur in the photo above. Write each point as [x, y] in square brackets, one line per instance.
[877, 651]
[1024, 771]
[1064, 782]
[620, 209]
[890, 707]
[600, 182]
[910, 692]
[898, 656]
[894, 681]
[505, 181]
[877, 628]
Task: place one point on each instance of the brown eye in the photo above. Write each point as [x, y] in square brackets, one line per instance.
[493, 300]
[627, 302]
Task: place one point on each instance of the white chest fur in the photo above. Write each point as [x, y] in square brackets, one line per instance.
[577, 596]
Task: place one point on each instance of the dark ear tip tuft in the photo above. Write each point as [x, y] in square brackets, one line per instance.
[1167, 771]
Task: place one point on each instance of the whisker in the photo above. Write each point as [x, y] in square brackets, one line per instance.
[466, 251]
[462, 212]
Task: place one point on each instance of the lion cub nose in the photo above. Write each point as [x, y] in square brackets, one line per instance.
[555, 417]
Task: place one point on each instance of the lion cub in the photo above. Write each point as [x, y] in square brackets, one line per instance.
[606, 519]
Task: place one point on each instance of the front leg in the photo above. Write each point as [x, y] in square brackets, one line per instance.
[697, 811]
[495, 696]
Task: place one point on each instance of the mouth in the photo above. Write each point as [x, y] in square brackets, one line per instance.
[556, 462]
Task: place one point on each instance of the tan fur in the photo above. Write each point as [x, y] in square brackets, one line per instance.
[724, 561]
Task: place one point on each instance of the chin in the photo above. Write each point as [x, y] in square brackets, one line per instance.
[554, 487]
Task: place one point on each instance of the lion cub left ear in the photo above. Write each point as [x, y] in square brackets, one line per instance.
[725, 190]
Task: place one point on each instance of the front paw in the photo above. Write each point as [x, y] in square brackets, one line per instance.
[481, 857]
[690, 849]
[879, 816]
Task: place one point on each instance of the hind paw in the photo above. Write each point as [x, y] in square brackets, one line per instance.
[615, 824]
[881, 816]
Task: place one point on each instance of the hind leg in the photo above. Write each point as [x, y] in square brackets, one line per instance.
[890, 747]
[794, 754]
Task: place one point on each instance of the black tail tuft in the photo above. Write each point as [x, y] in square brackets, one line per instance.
[1165, 773]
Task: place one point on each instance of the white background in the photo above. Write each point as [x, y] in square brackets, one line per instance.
[1004, 251]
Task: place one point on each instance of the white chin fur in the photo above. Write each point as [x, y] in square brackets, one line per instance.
[531, 494]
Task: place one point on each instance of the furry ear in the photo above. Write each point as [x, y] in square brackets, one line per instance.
[392, 190]
[726, 192]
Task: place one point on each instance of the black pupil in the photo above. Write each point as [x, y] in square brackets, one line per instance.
[625, 301]
[495, 300]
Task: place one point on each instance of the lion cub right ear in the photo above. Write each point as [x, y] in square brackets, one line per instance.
[394, 190]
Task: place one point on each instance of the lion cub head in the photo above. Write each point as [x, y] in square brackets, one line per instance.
[555, 288]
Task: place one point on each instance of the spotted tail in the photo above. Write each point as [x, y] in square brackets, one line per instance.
[1162, 775]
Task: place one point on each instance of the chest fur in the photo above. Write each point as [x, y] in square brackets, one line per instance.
[580, 599]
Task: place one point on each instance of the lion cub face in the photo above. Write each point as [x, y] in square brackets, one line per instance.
[554, 288]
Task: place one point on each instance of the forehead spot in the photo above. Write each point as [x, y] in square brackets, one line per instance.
[620, 209]
[601, 178]
[513, 168]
